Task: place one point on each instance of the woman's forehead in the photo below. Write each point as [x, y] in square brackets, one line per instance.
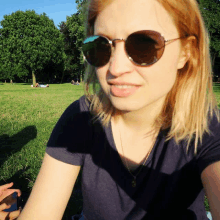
[123, 17]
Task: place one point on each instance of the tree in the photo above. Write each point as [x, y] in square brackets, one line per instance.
[211, 13]
[73, 39]
[7, 64]
[71, 53]
[29, 42]
[73, 31]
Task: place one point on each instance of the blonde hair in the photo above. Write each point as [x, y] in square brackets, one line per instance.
[191, 101]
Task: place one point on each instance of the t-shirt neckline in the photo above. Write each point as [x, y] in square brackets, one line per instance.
[113, 145]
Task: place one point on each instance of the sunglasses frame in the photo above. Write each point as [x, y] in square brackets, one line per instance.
[112, 42]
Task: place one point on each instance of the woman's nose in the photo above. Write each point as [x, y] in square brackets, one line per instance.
[119, 62]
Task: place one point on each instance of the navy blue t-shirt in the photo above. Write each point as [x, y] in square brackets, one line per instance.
[168, 187]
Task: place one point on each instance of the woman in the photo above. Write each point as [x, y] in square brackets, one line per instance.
[149, 153]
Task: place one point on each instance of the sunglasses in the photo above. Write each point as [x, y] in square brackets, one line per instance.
[143, 48]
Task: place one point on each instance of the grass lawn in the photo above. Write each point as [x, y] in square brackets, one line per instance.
[27, 117]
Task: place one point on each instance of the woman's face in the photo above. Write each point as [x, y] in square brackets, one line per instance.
[151, 84]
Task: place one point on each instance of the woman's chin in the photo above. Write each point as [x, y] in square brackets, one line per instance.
[125, 106]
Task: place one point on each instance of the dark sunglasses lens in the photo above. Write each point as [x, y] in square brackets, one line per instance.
[145, 47]
[96, 50]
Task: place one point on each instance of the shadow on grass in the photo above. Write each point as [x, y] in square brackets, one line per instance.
[20, 182]
[11, 145]
[25, 84]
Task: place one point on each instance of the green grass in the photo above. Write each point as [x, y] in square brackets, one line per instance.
[27, 117]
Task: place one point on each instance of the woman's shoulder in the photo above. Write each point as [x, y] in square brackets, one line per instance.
[70, 136]
[209, 149]
[78, 106]
[84, 104]
[77, 112]
[210, 139]
[213, 131]
[213, 128]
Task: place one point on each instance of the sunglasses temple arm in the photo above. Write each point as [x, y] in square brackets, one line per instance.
[172, 40]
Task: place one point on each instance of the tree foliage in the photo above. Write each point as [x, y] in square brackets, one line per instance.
[29, 42]
[211, 13]
[73, 31]
[72, 52]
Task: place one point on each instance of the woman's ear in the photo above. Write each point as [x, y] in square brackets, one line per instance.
[185, 51]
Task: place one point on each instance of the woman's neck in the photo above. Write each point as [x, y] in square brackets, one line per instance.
[140, 121]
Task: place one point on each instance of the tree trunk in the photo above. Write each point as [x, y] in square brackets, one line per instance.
[62, 78]
[213, 59]
[81, 72]
[81, 76]
[33, 78]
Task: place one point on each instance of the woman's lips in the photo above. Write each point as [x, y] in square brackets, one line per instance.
[123, 90]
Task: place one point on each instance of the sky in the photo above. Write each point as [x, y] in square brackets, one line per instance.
[55, 9]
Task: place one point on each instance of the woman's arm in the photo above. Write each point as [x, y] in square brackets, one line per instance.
[51, 191]
[211, 182]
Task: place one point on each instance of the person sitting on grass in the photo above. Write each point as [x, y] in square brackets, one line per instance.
[5, 191]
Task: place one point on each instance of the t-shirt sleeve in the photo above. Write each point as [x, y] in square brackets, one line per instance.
[68, 140]
[209, 151]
